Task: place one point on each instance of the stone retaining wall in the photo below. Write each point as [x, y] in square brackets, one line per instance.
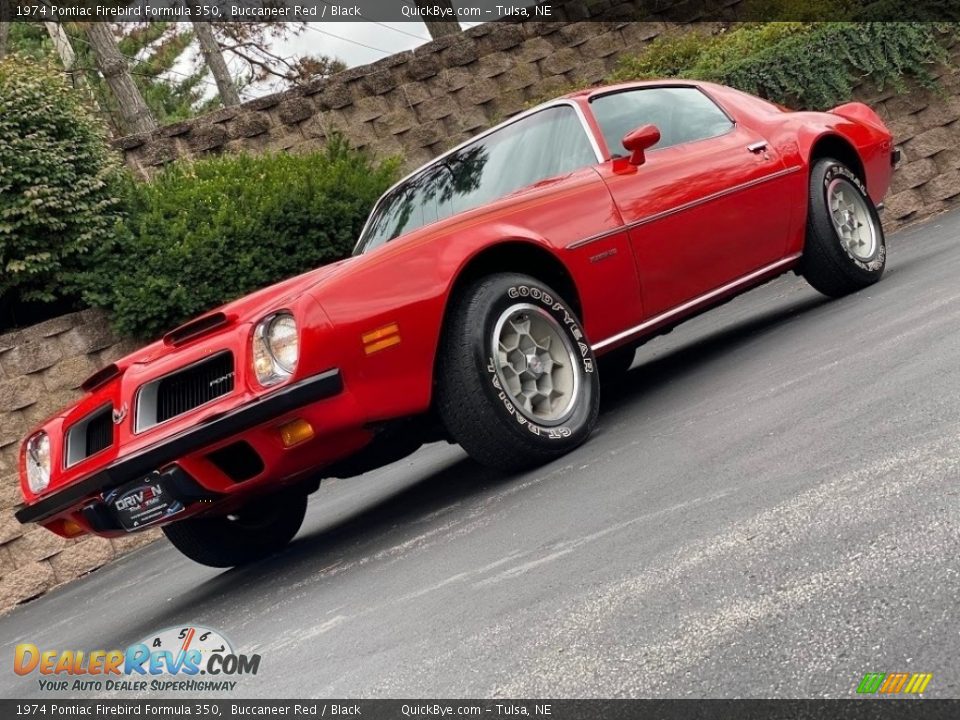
[416, 103]
[926, 127]
[41, 368]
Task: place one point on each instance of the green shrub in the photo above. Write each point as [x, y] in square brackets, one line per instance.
[667, 56]
[57, 183]
[695, 54]
[820, 69]
[203, 233]
[746, 41]
[810, 65]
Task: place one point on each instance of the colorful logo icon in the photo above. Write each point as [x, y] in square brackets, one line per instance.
[894, 683]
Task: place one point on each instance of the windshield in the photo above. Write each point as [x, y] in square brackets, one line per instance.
[517, 155]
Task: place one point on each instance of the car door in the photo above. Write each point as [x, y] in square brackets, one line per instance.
[705, 208]
[531, 180]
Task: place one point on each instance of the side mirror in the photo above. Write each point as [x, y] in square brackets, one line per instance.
[639, 140]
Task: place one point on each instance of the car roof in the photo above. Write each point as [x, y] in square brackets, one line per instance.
[574, 98]
[590, 92]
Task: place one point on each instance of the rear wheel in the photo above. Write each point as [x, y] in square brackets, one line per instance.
[845, 249]
[260, 528]
[517, 383]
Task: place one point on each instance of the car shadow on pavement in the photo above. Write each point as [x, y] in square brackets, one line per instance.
[707, 347]
[379, 530]
[374, 532]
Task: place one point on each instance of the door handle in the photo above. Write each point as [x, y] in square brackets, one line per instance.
[757, 147]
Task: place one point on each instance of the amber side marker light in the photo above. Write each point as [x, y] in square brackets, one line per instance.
[381, 338]
[68, 529]
[296, 432]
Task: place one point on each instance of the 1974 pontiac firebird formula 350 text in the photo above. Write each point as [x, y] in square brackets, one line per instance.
[489, 293]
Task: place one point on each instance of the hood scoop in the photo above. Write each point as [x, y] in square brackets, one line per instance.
[196, 328]
[100, 377]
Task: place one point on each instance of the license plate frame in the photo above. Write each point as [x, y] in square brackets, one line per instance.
[143, 503]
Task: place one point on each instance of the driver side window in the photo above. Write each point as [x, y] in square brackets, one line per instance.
[682, 114]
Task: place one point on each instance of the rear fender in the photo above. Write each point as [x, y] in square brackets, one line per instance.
[858, 112]
[859, 128]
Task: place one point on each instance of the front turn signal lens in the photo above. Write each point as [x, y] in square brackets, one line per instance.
[296, 432]
[72, 529]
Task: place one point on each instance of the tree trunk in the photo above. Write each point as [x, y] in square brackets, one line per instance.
[213, 56]
[439, 28]
[135, 115]
[65, 50]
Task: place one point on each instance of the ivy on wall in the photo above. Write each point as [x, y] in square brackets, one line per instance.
[802, 65]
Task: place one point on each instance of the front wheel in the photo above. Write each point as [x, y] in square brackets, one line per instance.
[517, 382]
[255, 531]
[845, 248]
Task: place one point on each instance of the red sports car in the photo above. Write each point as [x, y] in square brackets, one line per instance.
[489, 291]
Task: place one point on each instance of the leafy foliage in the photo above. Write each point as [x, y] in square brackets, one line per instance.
[812, 65]
[168, 68]
[57, 183]
[697, 54]
[668, 56]
[821, 69]
[28, 39]
[203, 233]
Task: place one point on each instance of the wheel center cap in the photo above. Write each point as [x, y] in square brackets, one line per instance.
[535, 365]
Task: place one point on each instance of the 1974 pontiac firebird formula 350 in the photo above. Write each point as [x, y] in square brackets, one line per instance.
[489, 293]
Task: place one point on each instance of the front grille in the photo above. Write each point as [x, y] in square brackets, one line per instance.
[89, 436]
[99, 432]
[195, 386]
[184, 390]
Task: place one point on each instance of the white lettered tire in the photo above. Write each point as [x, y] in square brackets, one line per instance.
[845, 248]
[517, 384]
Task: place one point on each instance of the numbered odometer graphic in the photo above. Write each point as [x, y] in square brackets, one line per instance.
[194, 650]
[205, 641]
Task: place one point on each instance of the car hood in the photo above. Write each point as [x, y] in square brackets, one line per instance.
[247, 309]
[251, 307]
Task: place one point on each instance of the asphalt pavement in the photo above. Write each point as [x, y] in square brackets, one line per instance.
[768, 508]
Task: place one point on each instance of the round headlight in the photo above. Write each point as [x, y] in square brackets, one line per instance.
[284, 342]
[38, 462]
[276, 348]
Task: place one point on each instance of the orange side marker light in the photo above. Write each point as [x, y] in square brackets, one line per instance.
[296, 432]
[381, 338]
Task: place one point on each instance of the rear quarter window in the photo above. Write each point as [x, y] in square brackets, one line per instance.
[682, 114]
